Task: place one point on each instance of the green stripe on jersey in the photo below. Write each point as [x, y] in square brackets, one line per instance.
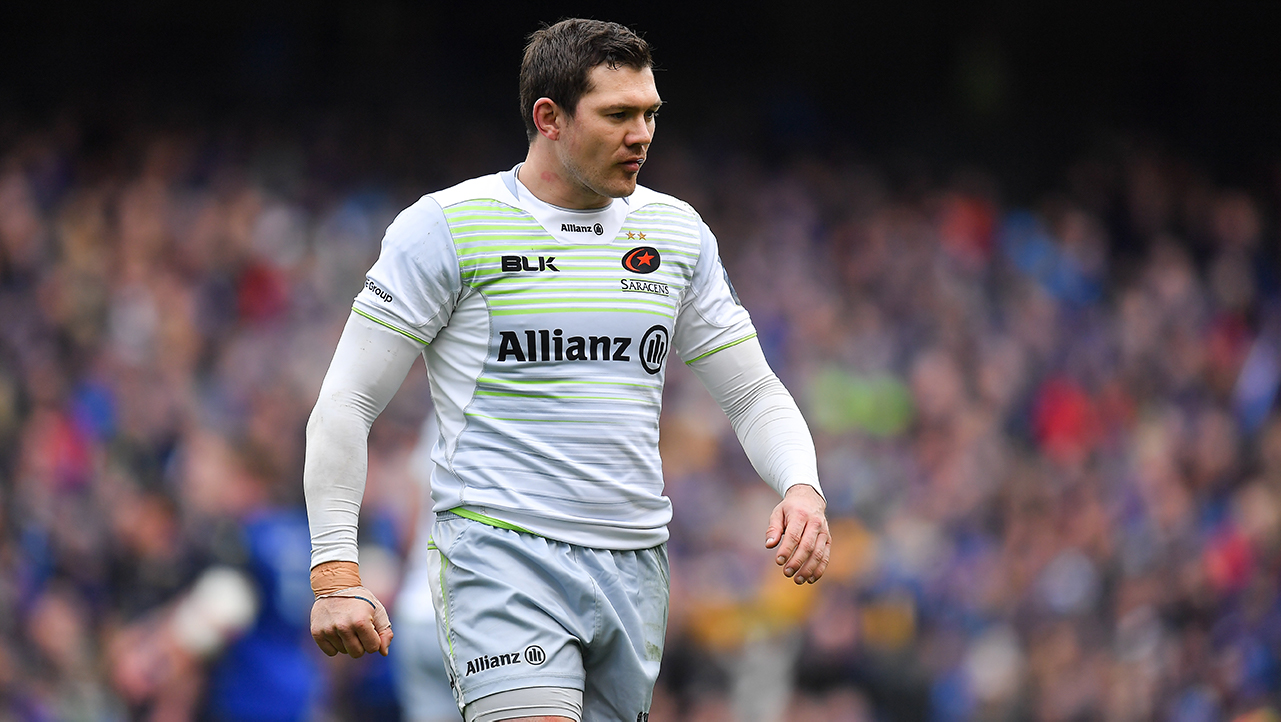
[609, 422]
[566, 397]
[493, 231]
[720, 348]
[574, 309]
[612, 288]
[400, 331]
[595, 298]
[497, 274]
[491, 521]
[499, 382]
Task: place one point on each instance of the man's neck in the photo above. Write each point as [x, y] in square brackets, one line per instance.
[548, 180]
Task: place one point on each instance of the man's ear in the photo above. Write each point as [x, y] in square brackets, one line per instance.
[548, 118]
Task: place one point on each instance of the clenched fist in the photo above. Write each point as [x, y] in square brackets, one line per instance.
[350, 621]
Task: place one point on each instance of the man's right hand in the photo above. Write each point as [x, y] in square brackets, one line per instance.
[351, 622]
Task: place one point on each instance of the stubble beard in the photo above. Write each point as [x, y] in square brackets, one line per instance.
[600, 185]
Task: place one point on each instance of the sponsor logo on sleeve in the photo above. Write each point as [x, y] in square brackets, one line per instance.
[386, 297]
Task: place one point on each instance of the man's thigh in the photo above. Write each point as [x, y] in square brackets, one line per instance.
[510, 611]
[515, 611]
[622, 666]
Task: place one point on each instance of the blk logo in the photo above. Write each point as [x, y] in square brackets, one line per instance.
[535, 655]
[520, 263]
[653, 349]
[644, 259]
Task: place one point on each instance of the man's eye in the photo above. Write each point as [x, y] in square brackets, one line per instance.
[620, 114]
[651, 115]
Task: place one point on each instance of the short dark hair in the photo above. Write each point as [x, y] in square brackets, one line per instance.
[558, 59]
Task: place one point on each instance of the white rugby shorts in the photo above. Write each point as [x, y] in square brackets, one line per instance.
[515, 610]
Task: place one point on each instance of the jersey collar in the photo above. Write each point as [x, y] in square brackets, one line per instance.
[569, 225]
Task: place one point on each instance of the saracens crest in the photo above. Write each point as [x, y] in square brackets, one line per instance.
[643, 259]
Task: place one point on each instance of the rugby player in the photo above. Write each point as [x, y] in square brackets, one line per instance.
[545, 300]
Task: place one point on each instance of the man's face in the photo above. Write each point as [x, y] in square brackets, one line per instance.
[605, 142]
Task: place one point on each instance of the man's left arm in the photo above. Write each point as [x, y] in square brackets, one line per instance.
[778, 443]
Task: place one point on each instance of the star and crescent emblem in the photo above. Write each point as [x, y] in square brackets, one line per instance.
[642, 259]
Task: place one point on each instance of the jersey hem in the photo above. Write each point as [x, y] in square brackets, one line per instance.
[582, 533]
[721, 348]
[491, 521]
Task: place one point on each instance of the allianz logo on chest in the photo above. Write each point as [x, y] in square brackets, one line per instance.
[541, 344]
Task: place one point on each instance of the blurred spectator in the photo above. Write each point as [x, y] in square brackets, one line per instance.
[422, 684]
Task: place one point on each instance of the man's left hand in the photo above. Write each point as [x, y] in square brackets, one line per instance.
[798, 528]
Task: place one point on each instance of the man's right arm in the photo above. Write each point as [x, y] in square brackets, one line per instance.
[368, 367]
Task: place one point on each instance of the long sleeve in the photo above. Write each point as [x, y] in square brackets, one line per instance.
[368, 367]
[763, 414]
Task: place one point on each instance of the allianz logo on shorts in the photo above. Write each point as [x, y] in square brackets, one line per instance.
[534, 655]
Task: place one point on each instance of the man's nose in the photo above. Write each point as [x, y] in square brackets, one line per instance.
[640, 133]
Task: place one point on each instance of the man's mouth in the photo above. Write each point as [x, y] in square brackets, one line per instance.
[633, 165]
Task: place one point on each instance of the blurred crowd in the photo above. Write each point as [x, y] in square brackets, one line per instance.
[1046, 433]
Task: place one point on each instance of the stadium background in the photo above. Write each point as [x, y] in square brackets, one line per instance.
[1019, 266]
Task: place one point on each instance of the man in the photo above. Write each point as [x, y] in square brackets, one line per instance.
[544, 301]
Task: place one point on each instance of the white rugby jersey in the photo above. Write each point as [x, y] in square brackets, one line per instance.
[547, 331]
